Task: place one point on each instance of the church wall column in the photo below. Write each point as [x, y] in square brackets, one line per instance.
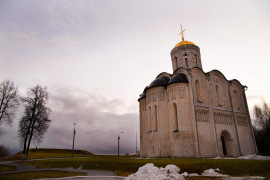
[193, 104]
[158, 126]
[212, 114]
[141, 128]
[235, 125]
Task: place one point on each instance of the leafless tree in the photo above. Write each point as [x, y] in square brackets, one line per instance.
[9, 101]
[262, 128]
[4, 152]
[35, 121]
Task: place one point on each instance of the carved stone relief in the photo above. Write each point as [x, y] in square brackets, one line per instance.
[176, 93]
[154, 96]
[222, 117]
[202, 114]
[242, 120]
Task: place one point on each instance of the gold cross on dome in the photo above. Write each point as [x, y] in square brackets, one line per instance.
[182, 33]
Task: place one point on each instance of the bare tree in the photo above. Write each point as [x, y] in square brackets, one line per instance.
[262, 128]
[35, 121]
[9, 101]
[4, 152]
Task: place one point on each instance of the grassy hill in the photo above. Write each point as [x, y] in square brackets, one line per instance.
[48, 153]
[125, 165]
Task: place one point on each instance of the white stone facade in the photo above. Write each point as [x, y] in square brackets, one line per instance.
[191, 113]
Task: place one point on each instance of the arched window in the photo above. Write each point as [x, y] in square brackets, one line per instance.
[150, 119]
[175, 62]
[236, 99]
[218, 95]
[197, 60]
[198, 91]
[155, 118]
[175, 119]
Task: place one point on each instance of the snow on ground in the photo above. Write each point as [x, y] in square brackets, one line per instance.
[150, 172]
[170, 172]
[251, 156]
[185, 174]
[208, 172]
[213, 172]
[254, 156]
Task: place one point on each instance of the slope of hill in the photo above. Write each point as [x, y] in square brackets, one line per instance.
[48, 153]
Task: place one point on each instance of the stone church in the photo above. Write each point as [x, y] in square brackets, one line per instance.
[192, 113]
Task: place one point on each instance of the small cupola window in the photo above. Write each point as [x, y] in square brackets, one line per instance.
[186, 60]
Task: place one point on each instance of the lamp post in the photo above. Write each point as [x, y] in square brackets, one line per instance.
[136, 142]
[74, 133]
[118, 142]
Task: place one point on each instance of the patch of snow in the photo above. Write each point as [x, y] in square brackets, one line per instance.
[185, 174]
[80, 167]
[212, 172]
[150, 172]
[251, 156]
[254, 156]
[193, 174]
[172, 168]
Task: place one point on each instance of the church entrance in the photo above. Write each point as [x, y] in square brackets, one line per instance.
[224, 146]
[226, 142]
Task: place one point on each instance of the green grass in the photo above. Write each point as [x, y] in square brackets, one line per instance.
[125, 165]
[204, 178]
[40, 174]
[7, 168]
[48, 153]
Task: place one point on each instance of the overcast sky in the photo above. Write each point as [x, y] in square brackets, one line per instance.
[96, 57]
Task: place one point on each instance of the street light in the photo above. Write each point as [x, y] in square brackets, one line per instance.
[74, 133]
[136, 143]
[118, 141]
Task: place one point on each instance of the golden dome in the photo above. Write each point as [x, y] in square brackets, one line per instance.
[184, 43]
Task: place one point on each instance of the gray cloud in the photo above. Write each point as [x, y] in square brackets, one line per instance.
[98, 121]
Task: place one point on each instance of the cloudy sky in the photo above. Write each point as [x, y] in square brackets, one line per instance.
[96, 57]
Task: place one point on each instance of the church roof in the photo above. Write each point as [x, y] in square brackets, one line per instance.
[161, 81]
[143, 95]
[179, 78]
[184, 43]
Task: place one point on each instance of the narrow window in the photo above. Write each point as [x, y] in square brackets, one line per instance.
[155, 120]
[150, 119]
[237, 99]
[218, 95]
[175, 62]
[197, 59]
[198, 91]
[175, 119]
[186, 60]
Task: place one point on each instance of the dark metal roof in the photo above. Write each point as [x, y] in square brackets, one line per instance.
[143, 95]
[179, 78]
[162, 81]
